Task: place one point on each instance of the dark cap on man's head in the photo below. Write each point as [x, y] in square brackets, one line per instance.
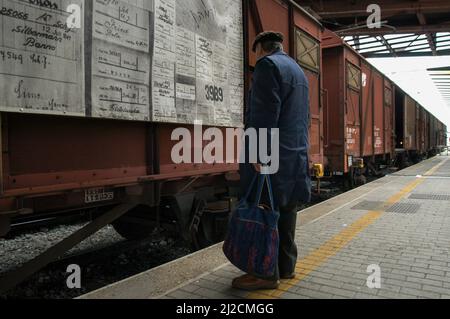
[268, 36]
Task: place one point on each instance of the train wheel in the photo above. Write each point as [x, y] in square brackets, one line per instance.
[132, 231]
[135, 225]
[209, 224]
[354, 179]
[200, 239]
[359, 180]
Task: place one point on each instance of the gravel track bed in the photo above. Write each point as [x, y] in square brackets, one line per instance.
[50, 283]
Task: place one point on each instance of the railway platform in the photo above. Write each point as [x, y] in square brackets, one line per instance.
[395, 231]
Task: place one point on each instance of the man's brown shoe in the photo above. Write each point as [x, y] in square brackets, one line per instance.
[251, 283]
[288, 276]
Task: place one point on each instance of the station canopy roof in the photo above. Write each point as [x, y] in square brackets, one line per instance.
[409, 27]
[441, 77]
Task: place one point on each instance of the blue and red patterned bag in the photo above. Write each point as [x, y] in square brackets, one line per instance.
[252, 241]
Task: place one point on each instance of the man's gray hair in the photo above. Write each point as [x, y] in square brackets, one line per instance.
[271, 46]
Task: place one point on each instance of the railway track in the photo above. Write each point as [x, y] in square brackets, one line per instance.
[101, 264]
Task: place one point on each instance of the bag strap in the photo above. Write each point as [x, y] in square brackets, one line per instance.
[249, 191]
[269, 187]
[265, 179]
[260, 189]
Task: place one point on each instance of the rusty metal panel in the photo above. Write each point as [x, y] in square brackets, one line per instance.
[353, 57]
[44, 150]
[443, 135]
[353, 128]
[316, 128]
[417, 128]
[439, 134]
[399, 117]
[308, 25]
[353, 109]
[367, 110]
[436, 132]
[274, 15]
[353, 140]
[353, 83]
[378, 109]
[424, 120]
[165, 146]
[334, 114]
[432, 130]
[410, 124]
[253, 25]
[330, 39]
[424, 130]
[430, 126]
[421, 145]
[308, 55]
[343, 87]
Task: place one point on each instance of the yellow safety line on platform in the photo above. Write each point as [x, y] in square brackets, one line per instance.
[317, 258]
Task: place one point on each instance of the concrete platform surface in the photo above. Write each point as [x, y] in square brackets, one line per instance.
[394, 231]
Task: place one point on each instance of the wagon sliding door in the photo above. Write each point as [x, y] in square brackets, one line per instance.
[379, 119]
[353, 110]
[410, 124]
[308, 56]
[367, 138]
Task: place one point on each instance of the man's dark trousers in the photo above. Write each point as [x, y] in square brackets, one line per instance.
[288, 253]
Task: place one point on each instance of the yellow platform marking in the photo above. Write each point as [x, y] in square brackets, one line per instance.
[319, 256]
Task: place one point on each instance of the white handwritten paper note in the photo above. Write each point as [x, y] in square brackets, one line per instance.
[41, 59]
[121, 60]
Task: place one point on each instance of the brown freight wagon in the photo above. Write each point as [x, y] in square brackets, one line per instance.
[122, 171]
[405, 127]
[443, 141]
[445, 136]
[423, 132]
[438, 136]
[54, 163]
[433, 136]
[416, 130]
[431, 141]
[429, 131]
[359, 110]
[405, 121]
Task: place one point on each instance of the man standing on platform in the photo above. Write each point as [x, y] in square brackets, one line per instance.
[279, 99]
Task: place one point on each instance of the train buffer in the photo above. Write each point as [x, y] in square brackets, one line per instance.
[387, 239]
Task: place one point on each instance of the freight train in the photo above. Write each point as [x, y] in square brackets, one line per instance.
[370, 123]
[361, 123]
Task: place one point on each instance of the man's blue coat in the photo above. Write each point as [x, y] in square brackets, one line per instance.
[279, 98]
